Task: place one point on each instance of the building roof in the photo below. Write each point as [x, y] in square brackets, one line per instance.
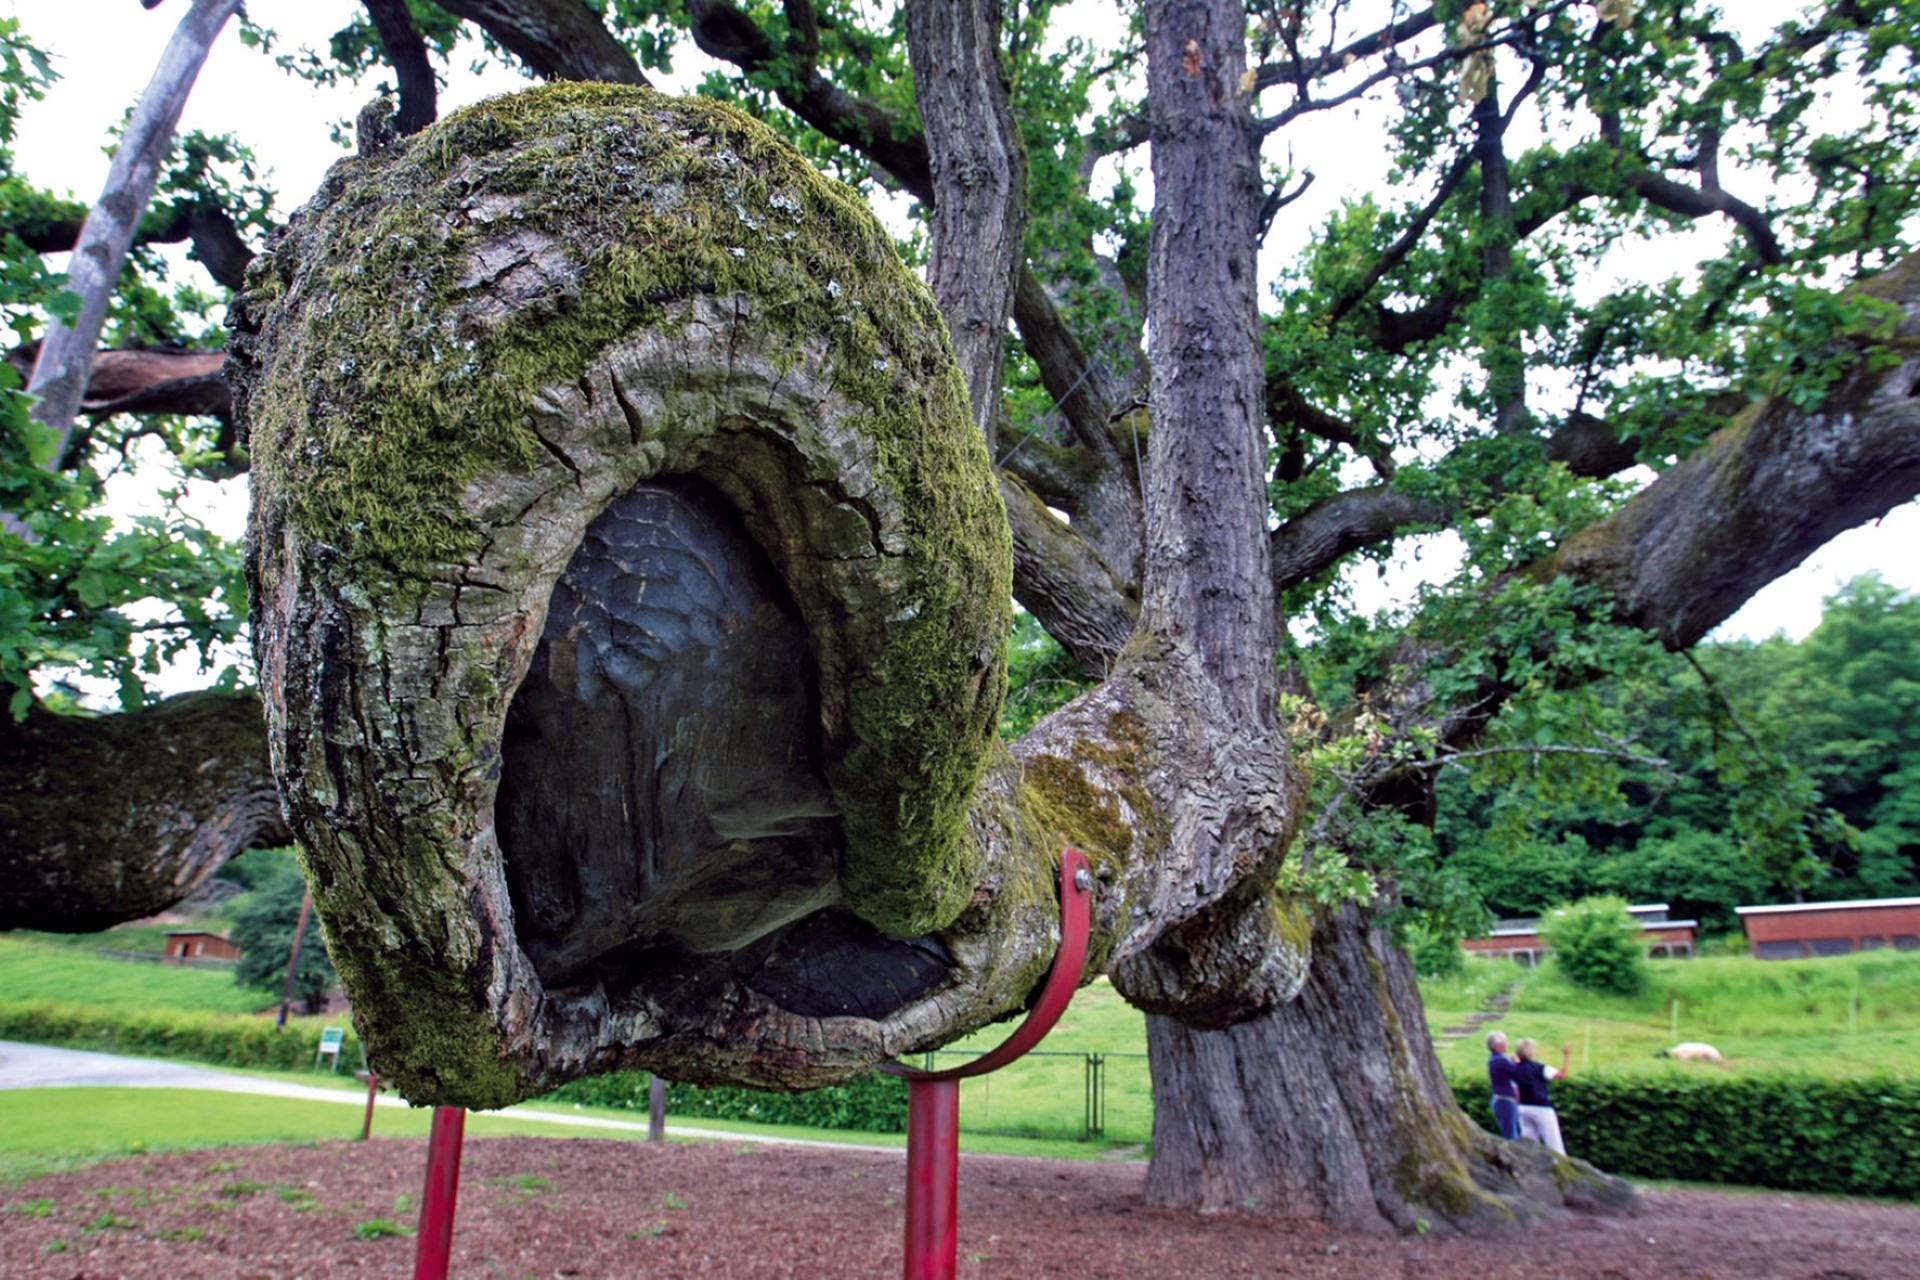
[1849, 905]
[196, 933]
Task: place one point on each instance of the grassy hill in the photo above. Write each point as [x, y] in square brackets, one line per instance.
[33, 969]
[1838, 1016]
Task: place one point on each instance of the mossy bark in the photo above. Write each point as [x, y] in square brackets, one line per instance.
[1333, 1106]
[464, 354]
[111, 818]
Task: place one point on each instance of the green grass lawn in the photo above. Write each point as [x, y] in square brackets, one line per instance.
[1837, 1016]
[122, 937]
[31, 969]
[48, 1130]
[1044, 1095]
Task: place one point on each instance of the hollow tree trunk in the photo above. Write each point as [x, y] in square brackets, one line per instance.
[1334, 1106]
[630, 588]
[110, 818]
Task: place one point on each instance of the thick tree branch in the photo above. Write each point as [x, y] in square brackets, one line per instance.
[1322, 535]
[216, 240]
[979, 171]
[1062, 579]
[66, 353]
[407, 55]
[1764, 493]
[110, 818]
[557, 39]
[725, 31]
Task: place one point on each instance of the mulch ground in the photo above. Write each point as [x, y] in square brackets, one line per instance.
[536, 1207]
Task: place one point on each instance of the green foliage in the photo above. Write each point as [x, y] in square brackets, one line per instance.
[265, 919]
[1040, 676]
[1755, 772]
[1529, 876]
[1434, 955]
[1701, 875]
[874, 1103]
[88, 594]
[223, 1040]
[1797, 1133]
[1597, 944]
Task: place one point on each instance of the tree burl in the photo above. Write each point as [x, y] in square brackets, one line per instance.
[630, 597]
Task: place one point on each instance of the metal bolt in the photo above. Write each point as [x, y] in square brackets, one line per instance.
[1083, 880]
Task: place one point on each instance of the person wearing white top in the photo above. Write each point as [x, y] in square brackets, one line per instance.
[1538, 1120]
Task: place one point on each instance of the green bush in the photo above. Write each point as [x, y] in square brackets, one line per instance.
[1435, 953]
[1596, 943]
[224, 1039]
[1857, 1136]
[873, 1103]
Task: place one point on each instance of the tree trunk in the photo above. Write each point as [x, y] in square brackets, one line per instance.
[111, 818]
[1333, 1106]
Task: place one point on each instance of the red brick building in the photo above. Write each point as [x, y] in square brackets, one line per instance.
[1797, 929]
[186, 946]
[1520, 939]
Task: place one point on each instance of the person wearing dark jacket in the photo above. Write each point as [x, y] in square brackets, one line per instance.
[1506, 1086]
[1538, 1119]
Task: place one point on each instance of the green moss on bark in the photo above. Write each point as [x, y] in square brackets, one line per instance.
[389, 349]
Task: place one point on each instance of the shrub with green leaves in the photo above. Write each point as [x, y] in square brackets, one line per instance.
[1858, 1136]
[872, 1103]
[1596, 943]
[225, 1039]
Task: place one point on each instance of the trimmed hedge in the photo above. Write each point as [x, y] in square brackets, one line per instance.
[873, 1103]
[1857, 1136]
[229, 1040]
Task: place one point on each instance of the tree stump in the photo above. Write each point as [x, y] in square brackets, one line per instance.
[630, 590]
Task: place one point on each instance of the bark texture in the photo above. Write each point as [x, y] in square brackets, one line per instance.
[109, 819]
[1334, 1107]
[1207, 600]
[433, 486]
[66, 353]
[980, 177]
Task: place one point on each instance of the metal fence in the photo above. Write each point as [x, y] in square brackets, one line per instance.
[1036, 1096]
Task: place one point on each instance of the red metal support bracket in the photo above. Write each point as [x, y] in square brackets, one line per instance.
[933, 1097]
[433, 1252]
[933, 1115]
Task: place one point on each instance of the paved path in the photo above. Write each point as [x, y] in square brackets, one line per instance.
[37, 1066]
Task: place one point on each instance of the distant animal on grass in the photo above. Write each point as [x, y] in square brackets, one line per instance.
[1692, 1051]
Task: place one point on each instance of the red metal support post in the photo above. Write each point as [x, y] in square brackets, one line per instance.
[933, 1097]
[433, 1251]
[933, 1178]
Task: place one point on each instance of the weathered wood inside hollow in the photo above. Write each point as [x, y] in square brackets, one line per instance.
[662, 782]
[663, 802]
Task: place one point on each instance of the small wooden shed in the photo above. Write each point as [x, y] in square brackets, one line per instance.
[185, 946]
[1792, 930]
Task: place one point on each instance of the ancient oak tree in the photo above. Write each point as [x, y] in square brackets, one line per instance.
[453, 521]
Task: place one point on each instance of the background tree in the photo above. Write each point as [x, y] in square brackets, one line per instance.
[1451, 352]
[1755, 772]
[265, 918]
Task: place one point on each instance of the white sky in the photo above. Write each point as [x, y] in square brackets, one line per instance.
[286, 122]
